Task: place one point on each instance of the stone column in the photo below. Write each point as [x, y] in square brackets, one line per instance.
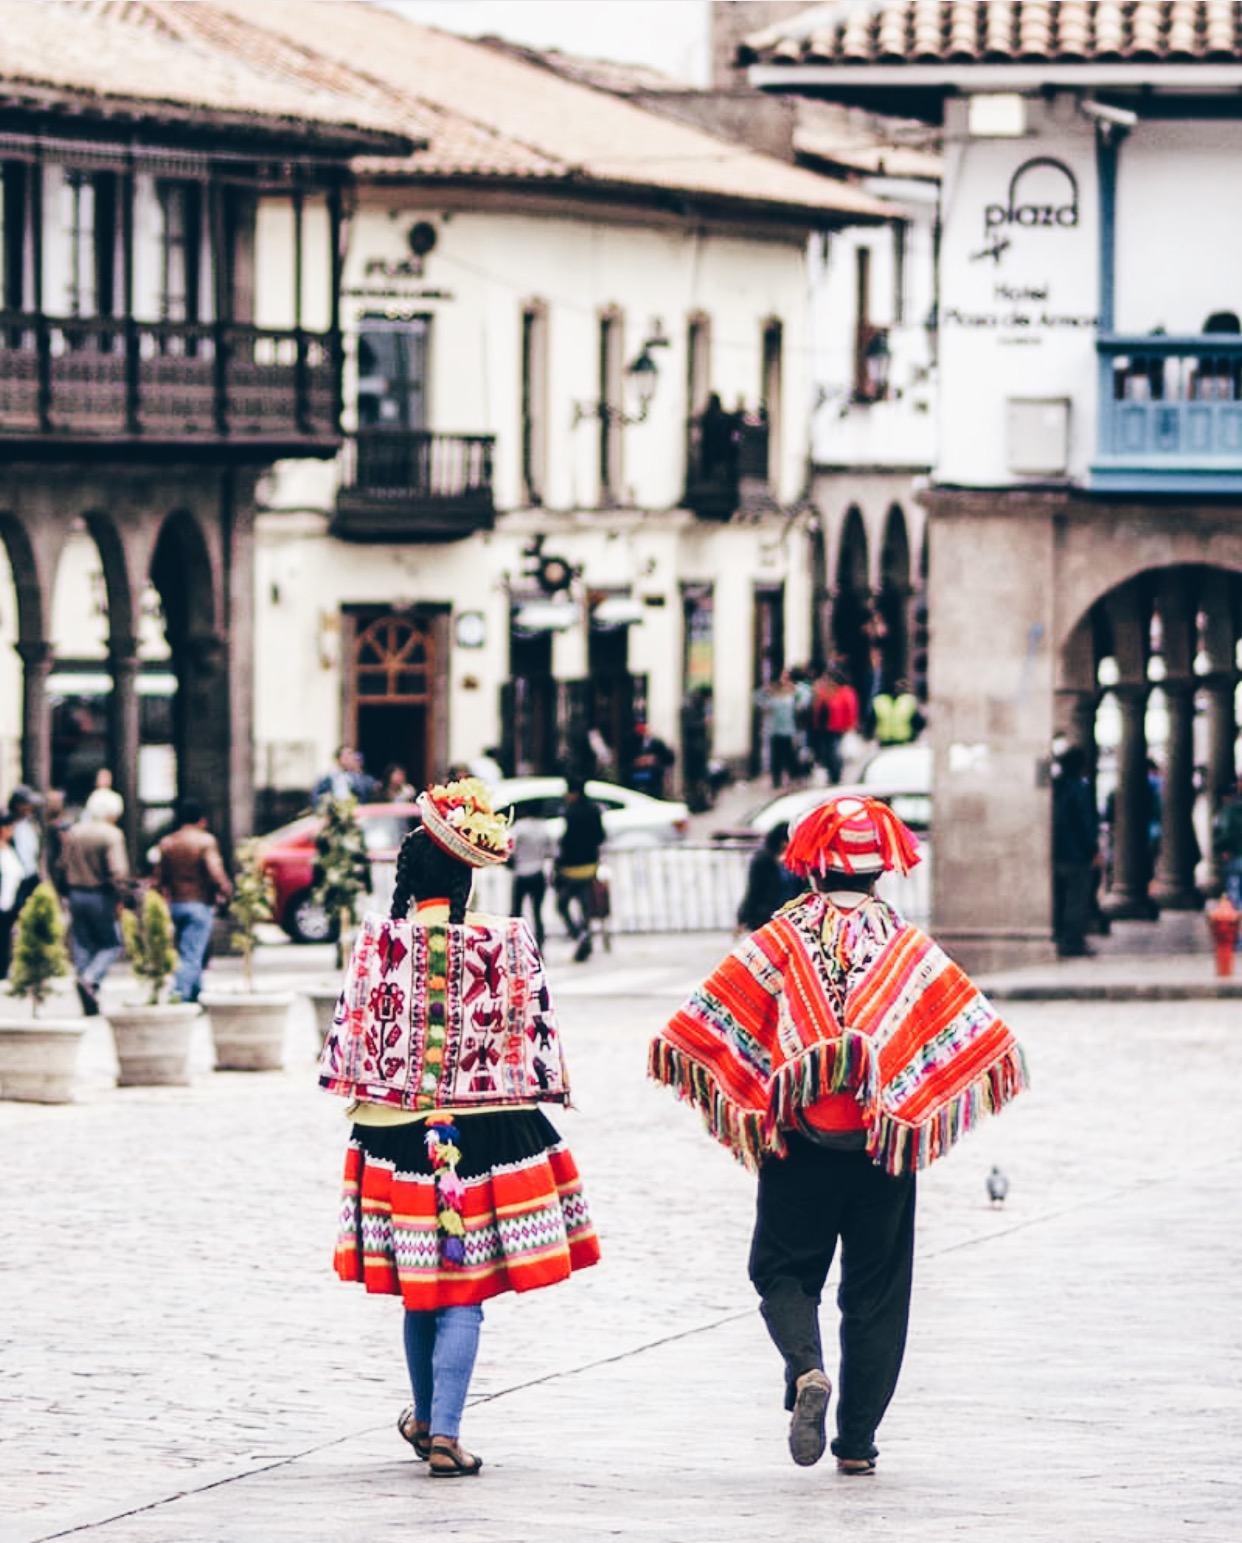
[1128, 897]
[123, 735]
[1174, 885]
[37, 658]
[1222, 772]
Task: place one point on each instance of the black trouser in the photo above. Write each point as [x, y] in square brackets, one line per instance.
[807, 1200]
[575, 894]
[534, 886]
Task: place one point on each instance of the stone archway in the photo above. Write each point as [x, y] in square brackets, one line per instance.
[1148, 686]
[851, 605]
[893, 597]
[32, 591]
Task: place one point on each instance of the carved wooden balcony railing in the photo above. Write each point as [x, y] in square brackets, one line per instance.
[108, 381]
[412, 485]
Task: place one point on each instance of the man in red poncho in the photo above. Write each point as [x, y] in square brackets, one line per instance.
[839, 1050]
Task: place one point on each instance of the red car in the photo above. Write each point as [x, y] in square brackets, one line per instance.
[288, 855]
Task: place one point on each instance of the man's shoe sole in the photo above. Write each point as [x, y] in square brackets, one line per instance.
[807, 1440]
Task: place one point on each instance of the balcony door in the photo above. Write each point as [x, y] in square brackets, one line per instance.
[392, 374]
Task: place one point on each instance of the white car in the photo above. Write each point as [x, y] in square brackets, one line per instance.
[631, 819]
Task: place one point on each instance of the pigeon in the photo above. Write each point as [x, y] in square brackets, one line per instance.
[998, 1187]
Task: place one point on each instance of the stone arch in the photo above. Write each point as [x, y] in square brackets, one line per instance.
[852, 602]
[893, 595]
[1166, 635]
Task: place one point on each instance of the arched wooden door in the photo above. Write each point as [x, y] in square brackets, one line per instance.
[394, 679]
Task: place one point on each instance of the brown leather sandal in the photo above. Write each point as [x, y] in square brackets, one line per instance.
[416, 1432]
[450, 1460]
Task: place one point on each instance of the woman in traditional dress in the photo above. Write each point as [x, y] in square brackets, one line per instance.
[457, 1186]
[839, 1050]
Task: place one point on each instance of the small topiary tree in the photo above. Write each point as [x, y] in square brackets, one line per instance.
[39, 954]
[343, 872]
[253, 899]
[151, 944]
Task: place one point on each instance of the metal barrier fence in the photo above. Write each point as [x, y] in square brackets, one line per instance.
[673, 889]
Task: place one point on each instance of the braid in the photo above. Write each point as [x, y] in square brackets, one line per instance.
[424, 871]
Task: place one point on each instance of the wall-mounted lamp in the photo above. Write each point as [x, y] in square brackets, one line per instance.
[642, 374]
[876, 361]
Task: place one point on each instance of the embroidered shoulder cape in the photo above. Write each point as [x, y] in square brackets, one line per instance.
[443, 1017]
[822, 1000]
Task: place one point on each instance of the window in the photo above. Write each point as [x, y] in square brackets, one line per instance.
[901, 241]
[392, 373]
[610, 406]
[180, 249]
[870, 342]
[698, 363]
[534, 401]
[770, 392]
[81, 279]
[12, 235]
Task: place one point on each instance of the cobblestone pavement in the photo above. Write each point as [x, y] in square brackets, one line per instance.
[180, 1366]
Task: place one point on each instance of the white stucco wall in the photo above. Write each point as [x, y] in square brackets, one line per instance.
[1019, 288]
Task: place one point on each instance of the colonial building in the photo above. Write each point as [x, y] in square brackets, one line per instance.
[1085, 541]
[574, 491]
[170, 224]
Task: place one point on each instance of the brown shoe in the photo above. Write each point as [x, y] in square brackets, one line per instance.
[807, 1440]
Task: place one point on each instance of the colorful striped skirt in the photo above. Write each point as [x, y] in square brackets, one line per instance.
[525, 1221]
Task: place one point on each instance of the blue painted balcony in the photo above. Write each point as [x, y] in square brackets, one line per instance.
[1170, 415]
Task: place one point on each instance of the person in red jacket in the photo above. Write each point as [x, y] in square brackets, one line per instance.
[834, 713]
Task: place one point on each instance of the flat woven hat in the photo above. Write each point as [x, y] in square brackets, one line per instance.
[459, 817]
[850, 834]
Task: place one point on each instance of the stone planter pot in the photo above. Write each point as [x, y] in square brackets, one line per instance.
[323, 998]
[248, 1028]
[155, 1044]
[39, 1059]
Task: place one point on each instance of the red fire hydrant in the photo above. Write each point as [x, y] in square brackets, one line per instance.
[1222, 919]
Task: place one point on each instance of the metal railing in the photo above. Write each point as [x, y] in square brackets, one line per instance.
[108, 376]
[410, 465]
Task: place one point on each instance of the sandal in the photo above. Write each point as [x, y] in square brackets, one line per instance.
[807, 1439]
[856, 1467]
[416, 1432]
[450, 1460]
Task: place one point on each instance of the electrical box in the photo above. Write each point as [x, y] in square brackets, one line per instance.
[1037, 436]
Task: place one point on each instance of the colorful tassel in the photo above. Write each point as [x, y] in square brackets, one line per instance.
[444, 1154]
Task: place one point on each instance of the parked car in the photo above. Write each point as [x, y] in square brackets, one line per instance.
[288, 857]
[899, 774]
[631, 819]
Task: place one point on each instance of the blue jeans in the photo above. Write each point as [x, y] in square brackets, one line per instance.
[440, 1348]
[193, 920]
[96, 935]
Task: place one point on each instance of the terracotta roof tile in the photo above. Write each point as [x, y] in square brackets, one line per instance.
[888, 32]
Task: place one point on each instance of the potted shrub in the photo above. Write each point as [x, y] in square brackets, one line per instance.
[343, 871]
[248, 1026]
[39, 1055]
[155, 1038]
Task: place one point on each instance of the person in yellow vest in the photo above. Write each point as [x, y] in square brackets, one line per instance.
[898, 720]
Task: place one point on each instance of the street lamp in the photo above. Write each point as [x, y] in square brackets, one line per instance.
[642, 374]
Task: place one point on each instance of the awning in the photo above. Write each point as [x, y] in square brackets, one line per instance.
[546, 615]
[63, 683]
[618, 611]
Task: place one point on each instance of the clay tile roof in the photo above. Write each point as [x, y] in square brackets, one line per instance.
[126, 55]
[888, 32]
[490, 113]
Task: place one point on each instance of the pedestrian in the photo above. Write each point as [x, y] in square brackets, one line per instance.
[457, 1186]
[395, 785]
[838, 1050]
[11, 875]
[898, 720]
[190, 873]
[646, 759]
[778, 703]
[577, 864]
[24, 805]
[97, 879]
[56, 821]
[834, 714]
[1075, 853]
[769, 884]
[347, 779]
[1227, 841]
[532, 854]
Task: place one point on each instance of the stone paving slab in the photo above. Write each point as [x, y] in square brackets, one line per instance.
[1075, 1368]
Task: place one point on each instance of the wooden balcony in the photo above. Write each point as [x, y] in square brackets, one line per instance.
[1170, 414]
[412, 485]
[102, 385]
[726, 465]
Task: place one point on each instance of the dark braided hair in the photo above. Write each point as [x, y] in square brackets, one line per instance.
[426, 871]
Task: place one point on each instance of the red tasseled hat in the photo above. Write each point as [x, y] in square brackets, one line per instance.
[850, 834]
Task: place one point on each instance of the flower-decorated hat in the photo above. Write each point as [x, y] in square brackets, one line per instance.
[850, 834]
[459, 817]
